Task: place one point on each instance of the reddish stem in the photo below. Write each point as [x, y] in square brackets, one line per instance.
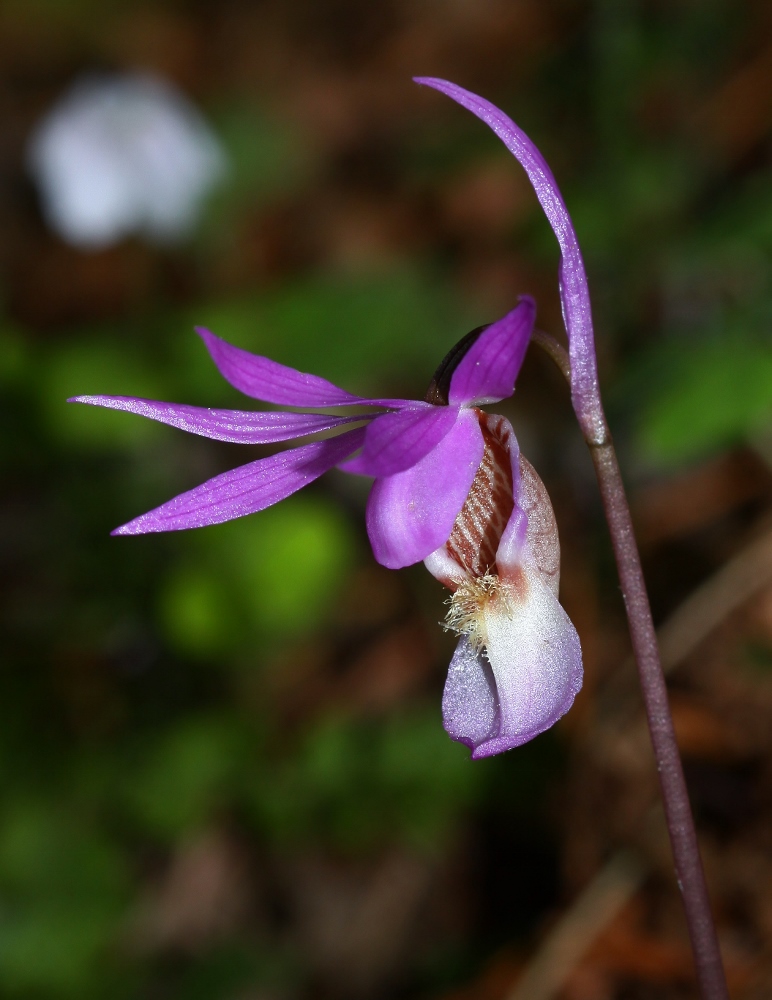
[678, 812]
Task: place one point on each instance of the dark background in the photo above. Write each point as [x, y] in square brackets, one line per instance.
[223, 774]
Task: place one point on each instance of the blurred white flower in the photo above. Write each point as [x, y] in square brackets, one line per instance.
[123, 154]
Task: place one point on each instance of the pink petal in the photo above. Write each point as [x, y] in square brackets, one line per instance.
[488, 370]
[410, 514]
[271, 382]
[574, 292]
[238, 426]
[396, 441]
[248, 489]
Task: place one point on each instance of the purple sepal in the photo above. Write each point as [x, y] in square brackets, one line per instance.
[238, 426]
[488, 370]
[411, 514]
[574, 292]
[534, 663]
[247, 489]
[397, 441]
[264, 379]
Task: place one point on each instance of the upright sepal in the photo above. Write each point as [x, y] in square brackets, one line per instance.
[488, 370]
[574, 290]
[264, 379]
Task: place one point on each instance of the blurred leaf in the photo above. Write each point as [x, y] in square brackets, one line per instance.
[14, 356]
[185, 774]
[352, 780]
[44, 850]
[264, 155]
[290, 562]
[707, 396]
[64, 888]
[272, 574]
[53, 948]
[195, 612]
[93, 366]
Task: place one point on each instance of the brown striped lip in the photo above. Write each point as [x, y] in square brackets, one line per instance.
[478, 528]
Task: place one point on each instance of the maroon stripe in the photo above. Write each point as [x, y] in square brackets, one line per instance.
[479, 526]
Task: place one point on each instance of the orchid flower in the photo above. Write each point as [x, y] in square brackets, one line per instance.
[450, 489]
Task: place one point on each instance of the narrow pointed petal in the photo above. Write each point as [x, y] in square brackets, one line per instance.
[574, 292]
[411, 514]
[488, 370]
[397, 441]
[536, 660]
[248, 489]
[264, 379]
[238, 426]
[470, 711]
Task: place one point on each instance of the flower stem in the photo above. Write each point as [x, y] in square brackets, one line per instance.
[683, 838]
[678, 813]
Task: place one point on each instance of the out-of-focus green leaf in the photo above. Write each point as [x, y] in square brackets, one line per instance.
[708, 395]
[272, 574]
[53, 949]
[184, 775]
[265, 156]
[92, 366]
[430, 776]
[64, 888]
[195, 611]
[236, 970]
[352, 780]
[44, 850]
[14, 356]
[290, 562]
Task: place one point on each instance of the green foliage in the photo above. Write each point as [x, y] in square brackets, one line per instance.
[64, 887]
[709, 395]
[90, 365]
[357, 784]
[184, 776]
[261, 577]
[195, 613]
[265, 158]
[14, 356]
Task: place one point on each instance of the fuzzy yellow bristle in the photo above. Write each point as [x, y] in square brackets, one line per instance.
[466, 614]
